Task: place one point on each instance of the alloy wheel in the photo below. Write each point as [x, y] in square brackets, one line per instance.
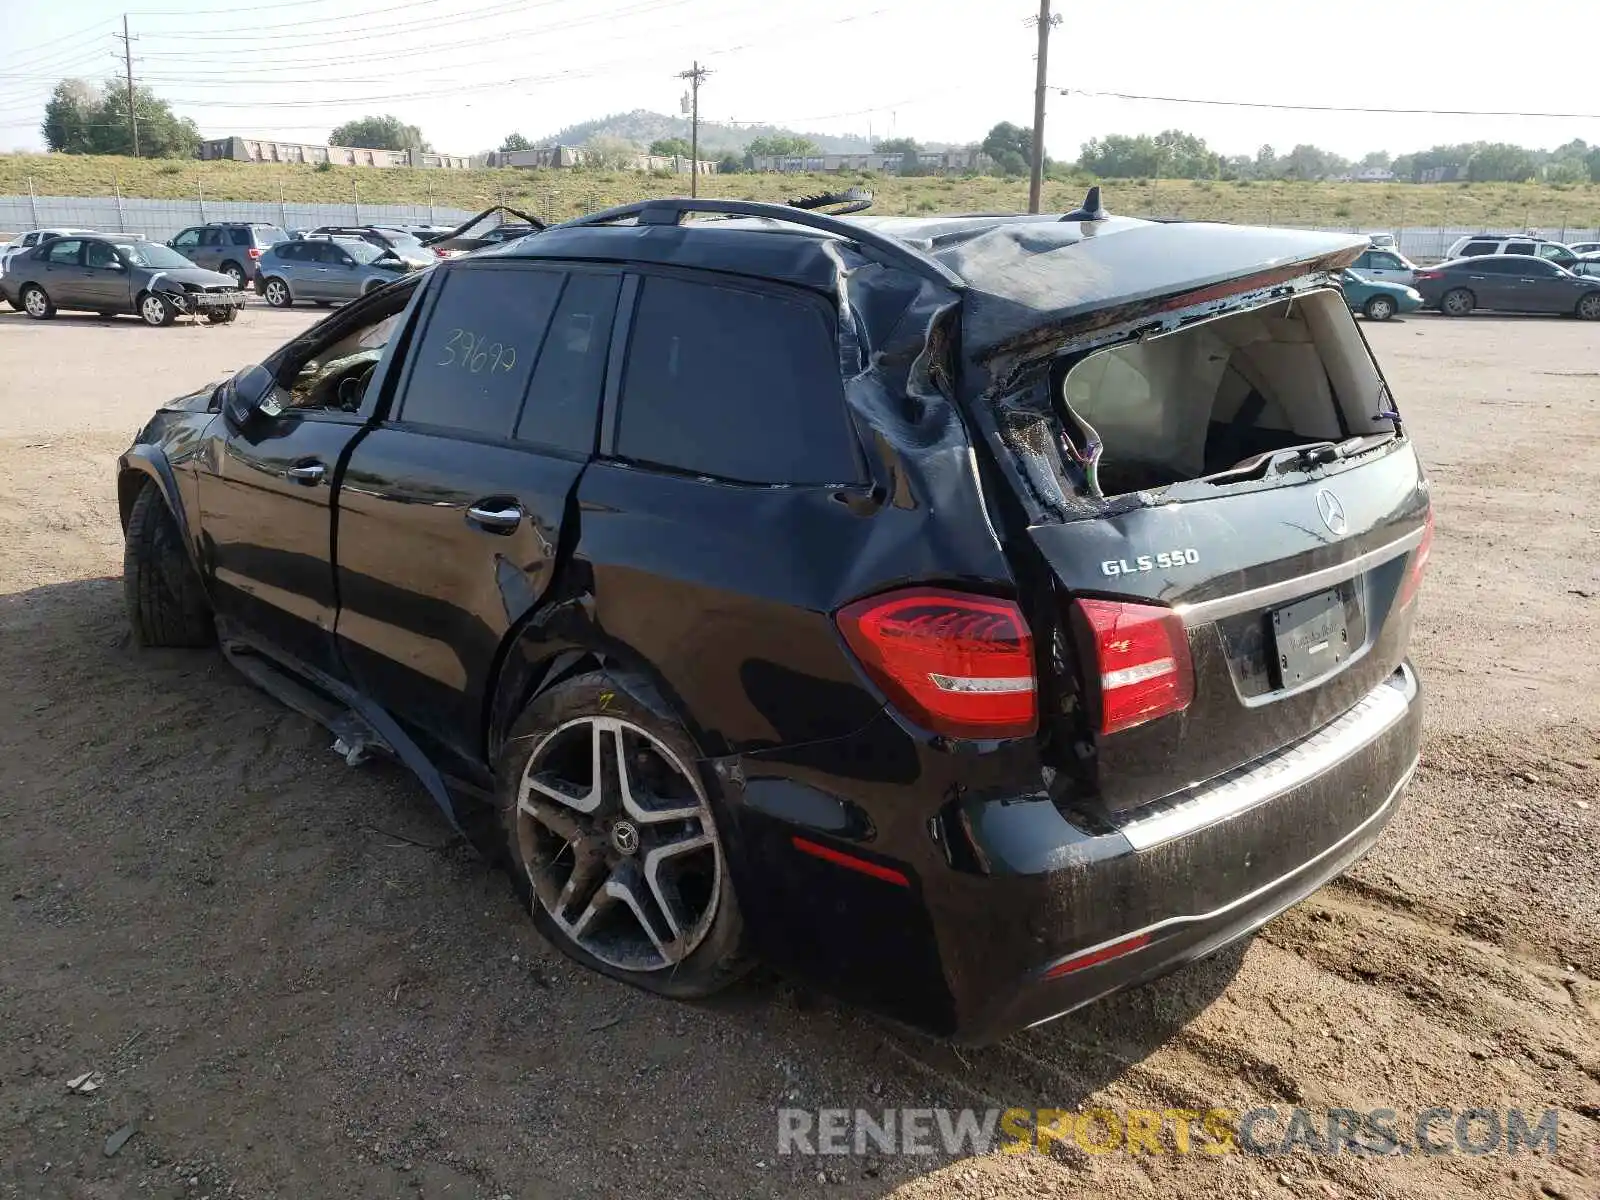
[1458, 304]
[1589, 307]
[35, 303]
[235, 274]
[153, 310]
[277, 293]
[617, 838]
[1381, 308]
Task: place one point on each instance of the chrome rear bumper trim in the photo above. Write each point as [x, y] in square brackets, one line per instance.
[1243, 788]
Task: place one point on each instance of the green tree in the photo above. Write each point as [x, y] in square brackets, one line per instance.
[1592, 161]
[515, 141]
[731, 164]
[609, 153]
[69, 118]
[1010, 147]
[673, 147]
[1500, 162]
[907, 149]
[780, 146]
[1267, 166]
[379, 133]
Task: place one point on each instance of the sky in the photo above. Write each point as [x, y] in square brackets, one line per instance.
[471, 71]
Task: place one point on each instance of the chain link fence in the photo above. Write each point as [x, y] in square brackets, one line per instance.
[161, 219]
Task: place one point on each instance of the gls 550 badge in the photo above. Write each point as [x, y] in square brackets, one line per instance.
[1163, 561]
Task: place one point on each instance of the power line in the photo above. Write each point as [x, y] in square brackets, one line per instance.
[1338, 108]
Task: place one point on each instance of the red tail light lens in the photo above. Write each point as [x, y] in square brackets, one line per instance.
[253, 252]
[1143, 655]
[439, 252]
[960, 665]
[1419, 563]
[1429, 275]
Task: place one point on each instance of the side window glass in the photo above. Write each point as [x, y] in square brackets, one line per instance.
[101, 256]
[239, 237]
[1477, 249]
[563, 404]
[740, 385]
[1519, 247]
[211, 237]
[187, 240]
[65, 252]
[472, 364]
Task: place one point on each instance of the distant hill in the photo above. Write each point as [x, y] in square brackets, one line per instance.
[642, 128]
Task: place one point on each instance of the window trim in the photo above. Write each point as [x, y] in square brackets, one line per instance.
[622, 344]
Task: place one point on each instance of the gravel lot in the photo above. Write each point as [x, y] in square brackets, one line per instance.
[296, 988]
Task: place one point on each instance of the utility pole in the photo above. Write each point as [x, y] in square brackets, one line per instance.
[695, 75]
[1045, 22]
[127, 62]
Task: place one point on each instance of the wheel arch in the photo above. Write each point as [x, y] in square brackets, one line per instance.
[144, 465]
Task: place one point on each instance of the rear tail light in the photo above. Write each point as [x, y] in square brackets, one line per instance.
[1421, 275]
[958, 664]
[254, 252]
[1143, 654]
[1419, 563]
[440, 252]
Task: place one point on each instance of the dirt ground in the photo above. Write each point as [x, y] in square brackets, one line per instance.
[293, 991]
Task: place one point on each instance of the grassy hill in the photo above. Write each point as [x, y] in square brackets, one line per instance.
[562, 194]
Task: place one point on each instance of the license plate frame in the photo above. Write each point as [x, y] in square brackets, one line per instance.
[1311, 637]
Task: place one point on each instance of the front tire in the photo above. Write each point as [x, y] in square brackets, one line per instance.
[225, 316]
[612, 841]
[1457, 302]
[277, 293]
[234, 272]
[1589, 307]
[166, 604]
[1380, 308]
[36, 303]
[155, 311]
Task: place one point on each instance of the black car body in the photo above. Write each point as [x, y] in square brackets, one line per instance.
[110, 274]
[1004, 610]
[1508, 283]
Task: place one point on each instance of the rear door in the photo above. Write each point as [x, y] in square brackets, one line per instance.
[1494, 282]
[451, 511]
[62, 273]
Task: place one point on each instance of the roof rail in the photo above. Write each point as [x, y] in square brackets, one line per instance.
[672, 210]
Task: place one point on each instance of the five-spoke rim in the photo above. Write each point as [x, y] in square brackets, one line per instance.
[277, 293]
[618, 842]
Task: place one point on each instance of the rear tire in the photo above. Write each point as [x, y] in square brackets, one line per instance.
[36, 303]
[602, 873]
[1589, 307]
[234, 272]
[277, 294]
[1380, 308]
[1457, 302]
[166, 604]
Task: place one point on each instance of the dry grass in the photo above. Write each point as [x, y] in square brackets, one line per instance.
[560, 194]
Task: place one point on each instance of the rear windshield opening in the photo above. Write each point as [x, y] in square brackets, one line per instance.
[1201, 401]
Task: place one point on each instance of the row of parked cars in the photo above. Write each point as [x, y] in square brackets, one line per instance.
[1503, 272]
[205, 269]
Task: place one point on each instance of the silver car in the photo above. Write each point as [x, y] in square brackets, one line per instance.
[25, 242]
[324, 270]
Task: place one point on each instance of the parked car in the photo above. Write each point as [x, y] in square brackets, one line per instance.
[398, 242]
[1588, 265]
[1479, 245]
[111, 274]
[232, 247]
[1386, 266]
[1382, 241]
[25, 242]
[1376, 300]
[765, 577]
[324, 270]
[1508, 283]
[1583, 249]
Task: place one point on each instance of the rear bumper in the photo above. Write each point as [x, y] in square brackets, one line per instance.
[1024, 923]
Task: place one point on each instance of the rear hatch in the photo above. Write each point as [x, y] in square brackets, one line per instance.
[1224, 519]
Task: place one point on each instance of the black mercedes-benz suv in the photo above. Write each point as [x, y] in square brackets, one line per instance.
[971, 615]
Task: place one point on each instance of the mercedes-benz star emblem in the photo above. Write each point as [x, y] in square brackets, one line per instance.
[1332, 512]
[625, 837]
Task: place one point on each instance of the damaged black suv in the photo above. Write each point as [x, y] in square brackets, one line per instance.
[971, 615]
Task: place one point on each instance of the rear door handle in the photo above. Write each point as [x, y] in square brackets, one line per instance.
[495, 516]
[310, 472]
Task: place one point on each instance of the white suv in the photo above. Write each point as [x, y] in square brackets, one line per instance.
[1479, 244]
[24, 242]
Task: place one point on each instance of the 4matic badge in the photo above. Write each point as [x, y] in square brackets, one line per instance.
[1164, 561]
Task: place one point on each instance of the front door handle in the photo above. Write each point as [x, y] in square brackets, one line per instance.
[308, 473]
[495, 516]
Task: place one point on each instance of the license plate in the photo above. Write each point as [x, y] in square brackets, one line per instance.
[1312, 637]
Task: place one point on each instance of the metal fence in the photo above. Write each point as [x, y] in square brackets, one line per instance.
[161, 219]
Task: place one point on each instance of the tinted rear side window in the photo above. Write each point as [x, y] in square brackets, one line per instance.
[474, 360]
[1474, 249]
[239, 237]
[740, 385]
[563, 405]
